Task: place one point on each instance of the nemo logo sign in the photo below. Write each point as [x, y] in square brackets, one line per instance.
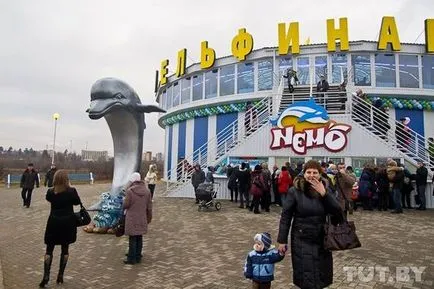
[305, 125]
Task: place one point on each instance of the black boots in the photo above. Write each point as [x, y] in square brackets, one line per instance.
[47, 267]
[62, 265]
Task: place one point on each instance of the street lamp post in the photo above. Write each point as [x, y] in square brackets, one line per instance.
[56, 116]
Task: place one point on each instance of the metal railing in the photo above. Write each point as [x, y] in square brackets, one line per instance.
[217, 148]
[332, 102]
[213, 151]
[412, 145]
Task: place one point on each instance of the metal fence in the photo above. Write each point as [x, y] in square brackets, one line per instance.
[83, 177]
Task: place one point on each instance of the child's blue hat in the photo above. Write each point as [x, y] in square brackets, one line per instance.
[264, 238]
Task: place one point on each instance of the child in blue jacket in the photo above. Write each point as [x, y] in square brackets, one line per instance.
[260, 262]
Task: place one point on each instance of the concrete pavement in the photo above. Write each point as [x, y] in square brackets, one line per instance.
[189, 249]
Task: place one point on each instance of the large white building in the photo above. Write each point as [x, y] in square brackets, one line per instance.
[206, 120]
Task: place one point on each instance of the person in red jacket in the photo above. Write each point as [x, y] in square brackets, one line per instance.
[284, 182]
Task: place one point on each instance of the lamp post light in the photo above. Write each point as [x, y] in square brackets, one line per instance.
[56, 116]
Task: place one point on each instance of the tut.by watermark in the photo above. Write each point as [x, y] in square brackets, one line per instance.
[383, 273]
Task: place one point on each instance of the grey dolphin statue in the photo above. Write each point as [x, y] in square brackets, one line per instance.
[120, 105]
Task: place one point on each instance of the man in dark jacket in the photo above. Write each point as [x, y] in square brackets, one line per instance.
[383, 187]
[197, 178]
[243, 176]
[380, 124]
[28, 180]
[50, 176]
[291, 75]
[322, 86]
[407, 188]
[421, 179]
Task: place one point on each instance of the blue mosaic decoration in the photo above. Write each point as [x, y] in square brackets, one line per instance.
[111, 210]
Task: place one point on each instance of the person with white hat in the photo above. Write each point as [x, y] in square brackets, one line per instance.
[138, 206]
[402, 133]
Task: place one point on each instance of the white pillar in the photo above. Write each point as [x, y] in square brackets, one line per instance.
[241, 128]
[189, 139]
[175, 137]
[166, 152]
[212, 145]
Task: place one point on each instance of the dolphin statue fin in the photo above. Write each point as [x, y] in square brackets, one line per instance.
[148, 108]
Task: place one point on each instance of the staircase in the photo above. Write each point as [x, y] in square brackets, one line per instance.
[333, 100]
[412, 146]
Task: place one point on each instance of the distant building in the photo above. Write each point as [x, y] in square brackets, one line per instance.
[94, 155]
[159, 157]
[147, 156]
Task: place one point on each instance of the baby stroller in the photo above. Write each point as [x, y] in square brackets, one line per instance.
[206, 194]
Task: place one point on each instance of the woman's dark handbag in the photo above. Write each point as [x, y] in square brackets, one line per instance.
[341, 236]
[82, 217]
[119, 228]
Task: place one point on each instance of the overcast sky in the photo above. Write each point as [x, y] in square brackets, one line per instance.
[53, 51]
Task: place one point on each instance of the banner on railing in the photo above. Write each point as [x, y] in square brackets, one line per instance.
[305, 125]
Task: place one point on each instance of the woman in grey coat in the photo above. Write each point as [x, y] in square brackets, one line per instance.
[138, 206]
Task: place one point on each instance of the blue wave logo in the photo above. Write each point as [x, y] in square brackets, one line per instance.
[305, 111]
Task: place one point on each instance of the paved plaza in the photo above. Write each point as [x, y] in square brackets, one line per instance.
[185, 248]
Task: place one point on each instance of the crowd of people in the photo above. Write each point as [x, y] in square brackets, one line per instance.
[307, 193]
[257, 188]
[389, 186]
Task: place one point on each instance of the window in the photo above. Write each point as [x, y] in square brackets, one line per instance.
[197, 87]
[339, 68]
[361, 69]
[284, 64]
[185, 90]
[335, 160]
[245, 78]
[303, 70]
[408, 71]
[294, 161]
[211, 83]
[227, 80]
[428, 71]
[176, 94]
[169, 97]
[320, 67]
[163, 99]
[361, 162]
[265, 75]
[319, 159]
[385, 69]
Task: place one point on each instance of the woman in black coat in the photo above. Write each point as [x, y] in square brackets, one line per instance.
[307, 204]
[243, 177]
[61, 225]
[233, 183]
